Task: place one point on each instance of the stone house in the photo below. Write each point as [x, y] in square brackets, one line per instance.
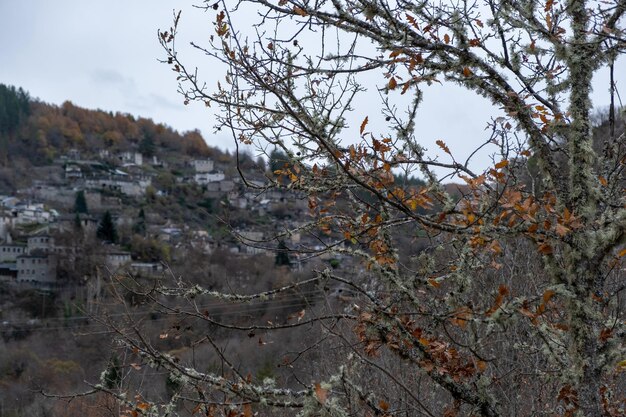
[208, 177]
[73, 172]
[146, 269]
[134, 158]
[40, 268]
[123, 185]
[10, 251]
[115, 260]
[202, 165]
[8, 272]
[34, 213]
[40, 244]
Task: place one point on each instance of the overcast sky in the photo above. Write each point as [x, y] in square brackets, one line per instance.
[97, 54]
[103, 54]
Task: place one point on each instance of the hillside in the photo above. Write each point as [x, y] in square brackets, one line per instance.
[34, 133]
[91, 199]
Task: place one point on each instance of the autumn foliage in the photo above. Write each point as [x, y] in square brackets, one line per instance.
[46, 132]
[500, 299]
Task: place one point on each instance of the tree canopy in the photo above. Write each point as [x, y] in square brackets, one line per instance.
[80, 203]
[14, 107]
[513, 307]
[107, 231]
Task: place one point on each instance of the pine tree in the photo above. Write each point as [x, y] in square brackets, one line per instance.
[139, 226]
[106, 229]
[80, 204]
[282, 254]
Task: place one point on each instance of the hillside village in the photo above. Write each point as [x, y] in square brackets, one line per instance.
[41, 228]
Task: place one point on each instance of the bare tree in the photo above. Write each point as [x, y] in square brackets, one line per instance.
[516, 306]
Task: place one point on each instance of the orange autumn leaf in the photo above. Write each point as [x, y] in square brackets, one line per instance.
[547, 295]
[321, 393]
[502, 164]
[299, 11]
[443, 146]
[561, 230]
[545, 248]
[383, 405]
[433, 282]
[567, 215]
[392, 83]
[363, 124]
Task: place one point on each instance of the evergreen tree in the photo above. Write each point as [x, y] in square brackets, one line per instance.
[282, 254]
[80, 203]
[139, 226]
[14, 108]
[77, 223]
[278, 159]
[147, 146]
[113, 374]
[106, 229]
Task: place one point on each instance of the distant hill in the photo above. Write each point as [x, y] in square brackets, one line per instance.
[34, 133]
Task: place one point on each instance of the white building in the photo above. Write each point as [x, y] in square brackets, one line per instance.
[133, 158]
[125, 186]
[10, 251]
[202, 165]
[73, 172]
[40, 244]
[116, 260]
[37, 268]
[34, 213]
[208, 177]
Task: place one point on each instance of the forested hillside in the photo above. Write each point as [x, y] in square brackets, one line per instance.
[40, 132]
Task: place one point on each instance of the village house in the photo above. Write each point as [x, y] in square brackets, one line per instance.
[8, 271]
[202, 165]
[130, 158]
[73, 172]
[73, 154]
[120, 184]
[40, 244]
[34, 213]
[114, 260]
[7, 221]
[68, 222]
[10, 251]
[252, 242]
[146, 269]
[39, 269]
[208, 177]
[9, 201]
[35, 262]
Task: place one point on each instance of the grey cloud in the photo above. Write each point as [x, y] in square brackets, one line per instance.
[162, 101]
[112, 77]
